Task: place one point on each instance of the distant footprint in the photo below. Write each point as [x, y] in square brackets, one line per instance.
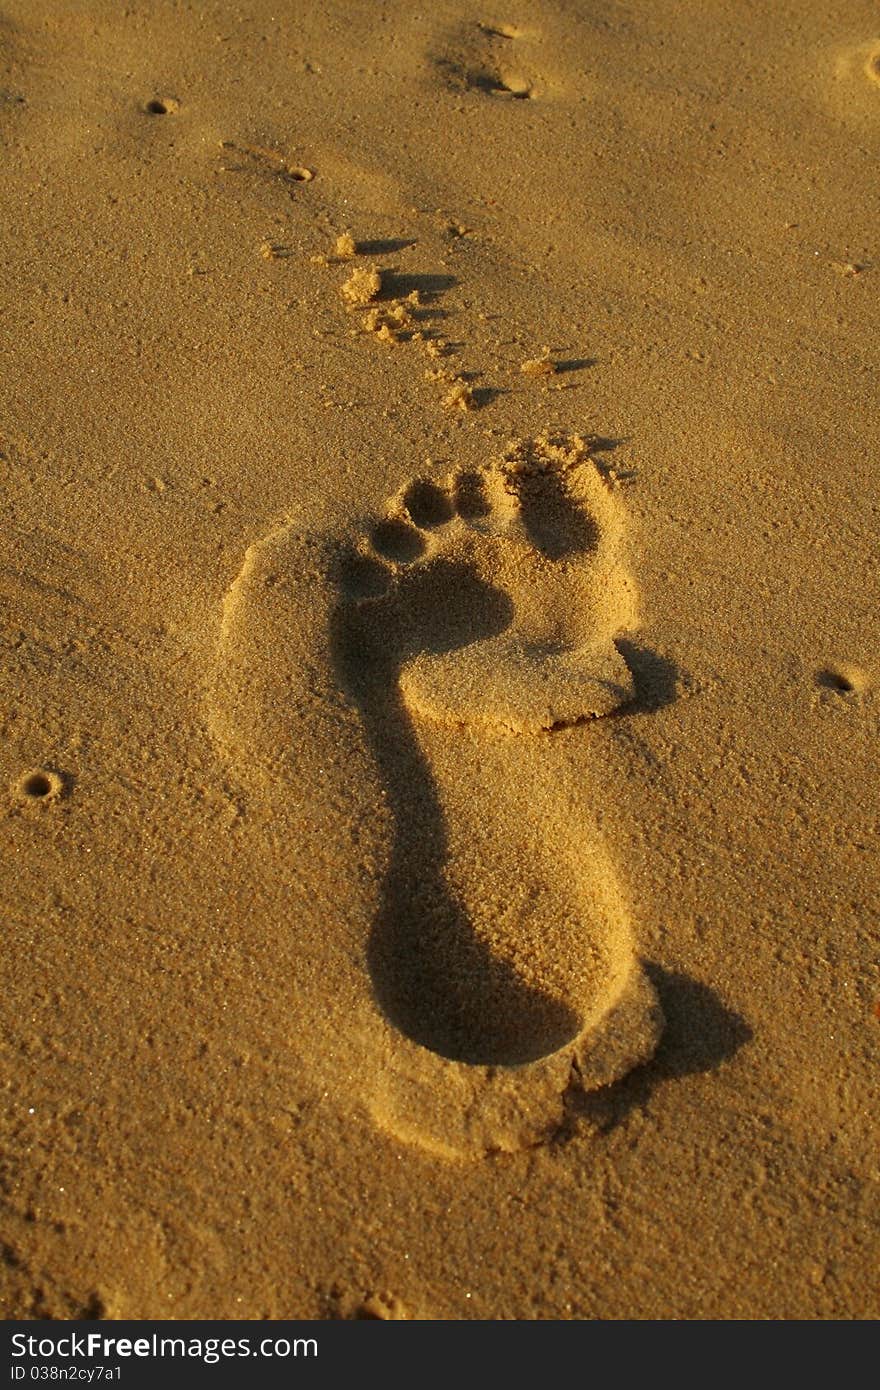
[860, 61]
[854, 81]
[474, 619]
[481, 59]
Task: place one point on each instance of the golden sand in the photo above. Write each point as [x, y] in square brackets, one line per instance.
[439, 616]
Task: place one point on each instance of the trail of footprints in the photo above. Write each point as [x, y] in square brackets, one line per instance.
[393, 686]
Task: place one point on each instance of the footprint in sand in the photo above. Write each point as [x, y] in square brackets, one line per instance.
[854, 71]
[491, 967]
[481, 58]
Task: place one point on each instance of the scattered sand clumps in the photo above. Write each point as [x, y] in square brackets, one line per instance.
[344, 247]
[457, 394]
[539, 366]
[362, 286]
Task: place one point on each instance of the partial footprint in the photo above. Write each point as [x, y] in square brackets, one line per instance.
[495, 955]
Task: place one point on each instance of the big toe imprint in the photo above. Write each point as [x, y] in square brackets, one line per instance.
[498, 964]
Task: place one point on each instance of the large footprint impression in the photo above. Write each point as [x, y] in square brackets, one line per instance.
[486, 962]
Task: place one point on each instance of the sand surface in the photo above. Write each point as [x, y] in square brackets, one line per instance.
[439, 599]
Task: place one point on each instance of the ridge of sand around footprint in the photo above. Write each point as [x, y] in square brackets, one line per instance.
[479, 949]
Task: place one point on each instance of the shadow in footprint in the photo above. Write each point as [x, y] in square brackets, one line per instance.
[461, 75]
[701, 1033]
[433, 974]
[494, 85]
[433, 979]
[656, 679]
[552, 524]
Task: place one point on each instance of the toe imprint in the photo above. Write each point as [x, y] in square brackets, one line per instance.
[509, 617]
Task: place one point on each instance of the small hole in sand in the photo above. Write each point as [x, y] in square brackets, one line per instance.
[844, 680]
[36, 784]
[162, 106]
[300, 174]
[40, 785]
